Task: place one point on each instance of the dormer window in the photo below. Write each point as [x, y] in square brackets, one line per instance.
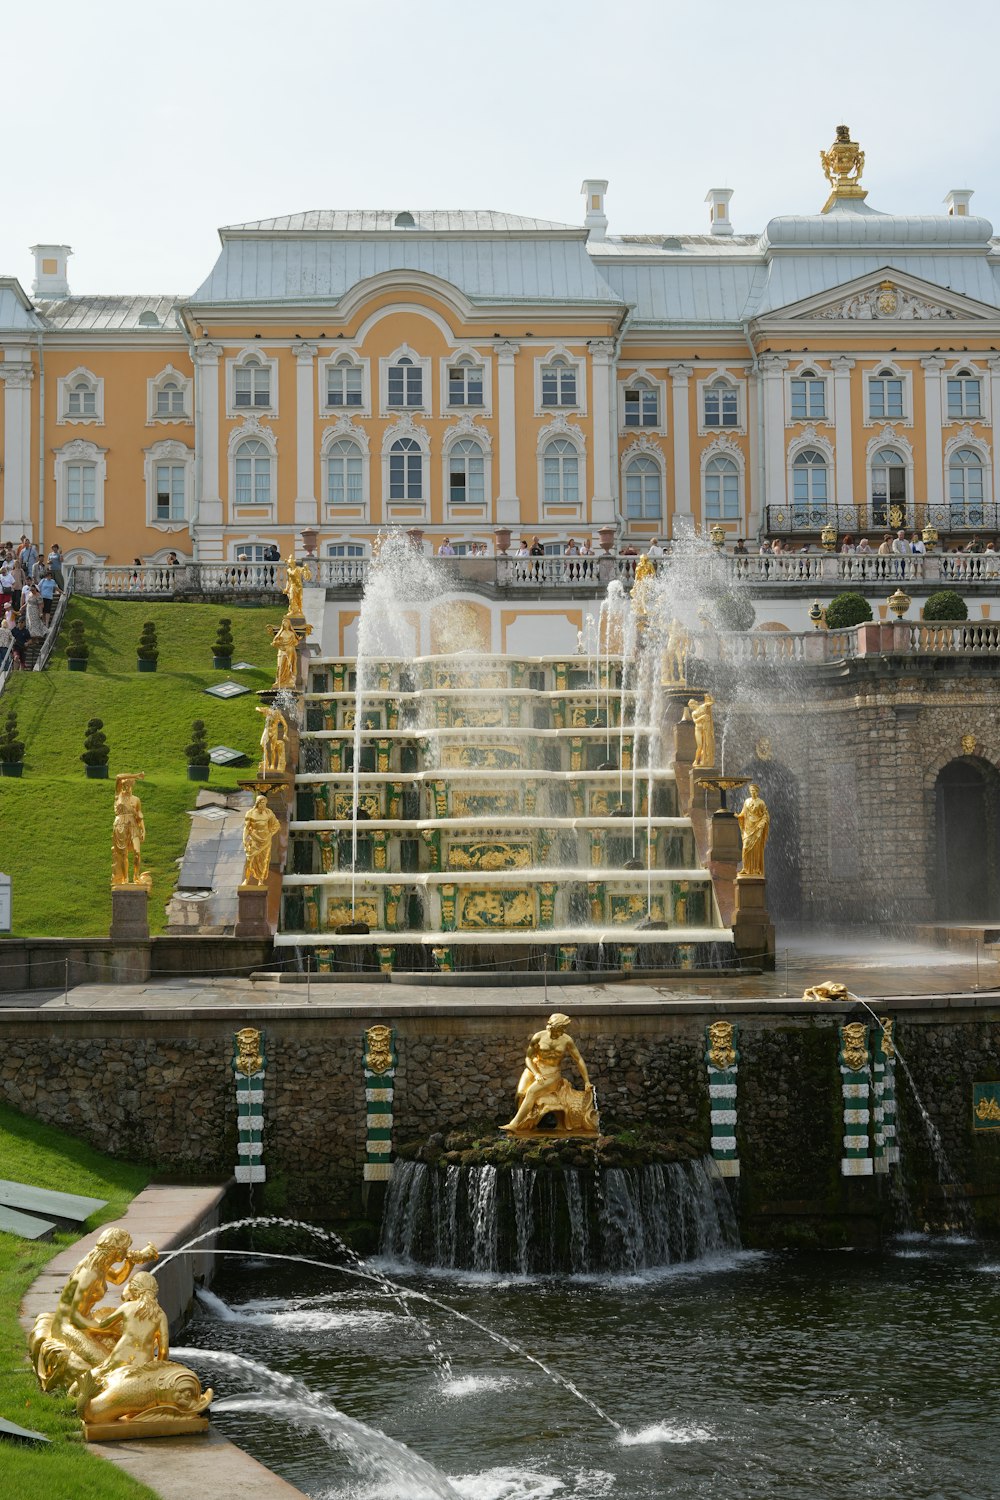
[170, 399]
[559, 384]
[344, 384]
[721, 405]
[885, 396]
[965, 397]
[465, 384]
[405, 383]
[808, 397]
[642, 406]
[252, 384]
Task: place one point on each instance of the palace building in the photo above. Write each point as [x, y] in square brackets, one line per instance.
[465, 373]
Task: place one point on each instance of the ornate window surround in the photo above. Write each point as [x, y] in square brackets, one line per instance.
[252, 427]
[643, 447]
[456, 355]
[808, 437]
[888, 437]
[78, 451]
[255, 351]
[644, 375]
[872, 372]
[405, 427]
[467, 427]
[153, 387]
[722, 447]
[806, 369]
[424, 363]
[579, 361]
[739, 385]
[64, 385]
[982, 373]
[559, 427]
[344, 351]
[966, 437]
[344, 428]
[168, 450]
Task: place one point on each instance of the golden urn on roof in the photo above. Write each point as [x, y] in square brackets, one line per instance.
[843, 165]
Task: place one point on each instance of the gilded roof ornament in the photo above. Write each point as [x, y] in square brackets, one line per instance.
[843, 165]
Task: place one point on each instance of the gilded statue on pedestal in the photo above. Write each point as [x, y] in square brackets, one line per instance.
[704, 730]
[645, 573]
[296, 576]
[273, 739]
[259, 827]
[755, 825]
[543, 1090]
[285, 641]
[128, 834]
[675, 654]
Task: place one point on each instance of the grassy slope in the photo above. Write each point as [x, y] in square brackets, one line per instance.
[40, 1155]
[57, 823]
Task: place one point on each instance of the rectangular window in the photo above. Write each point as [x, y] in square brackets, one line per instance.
[170, 492]
[345, 481]
[721, 406]
[345, 549]
[405, 384]
[641, 407]
[254, 551]
[559, 385]
[81, 492]
[343, 386]
[170, 401]
[885, 397]
[808, 399]
[964, 398]
[465, 385]
[252, 386]
[722, 497]
[82, 402]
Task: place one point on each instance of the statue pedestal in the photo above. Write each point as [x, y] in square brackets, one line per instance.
[753, 930]
[129, 914]
[251, 913]
[166, 1427]
[725, 846]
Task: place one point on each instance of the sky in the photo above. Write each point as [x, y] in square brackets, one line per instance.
[133, 131]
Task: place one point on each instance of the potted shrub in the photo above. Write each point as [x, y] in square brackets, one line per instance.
[11, 748]
[222, 651]
[197, 753]
[946, 606]
[147, 652]
[77, 649]
[95, 750]
[846, 610]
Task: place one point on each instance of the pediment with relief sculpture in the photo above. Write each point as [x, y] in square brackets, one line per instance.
[886, 298]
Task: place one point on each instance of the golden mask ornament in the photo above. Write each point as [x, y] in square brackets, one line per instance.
[248, 1053]
[721, 1052]
[378, 1049]
[855, 1046]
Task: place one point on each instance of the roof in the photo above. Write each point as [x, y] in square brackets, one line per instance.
[16, 311]
[385, 220]
[121, 314]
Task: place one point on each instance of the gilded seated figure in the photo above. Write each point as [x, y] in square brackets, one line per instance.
[543, 1090]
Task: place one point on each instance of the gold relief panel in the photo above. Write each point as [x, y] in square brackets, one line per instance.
[497, 907]
[625, 910]
[340, 912]
[482, 757]
[369, 802]
[474, 716]
[483, 804]
[488, 856]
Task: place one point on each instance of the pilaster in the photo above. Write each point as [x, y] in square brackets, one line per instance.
[843, 437]
[772, 368]
[306, 508]
[933, 420]
[602, 352]
[994, 365]
[680, 375]
[207, 529]
[17, 374]
[508, 508]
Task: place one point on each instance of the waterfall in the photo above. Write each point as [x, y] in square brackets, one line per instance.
[540, 1221]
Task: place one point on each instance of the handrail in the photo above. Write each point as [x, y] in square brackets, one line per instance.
[48, 644]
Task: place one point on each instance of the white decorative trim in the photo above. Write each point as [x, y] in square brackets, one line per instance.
[579, 363]
[252, 427]
[888, 437]
[806, 370]
[74, 452]
[809, 438]
[643, 447]
[984, 374]
[405, 427]
[82, 557]
[485, 365]
[346, 353]
[965, 437]
[248, 354]
[642, 376]
[337, 432]
[884, 302]
[562, 427]
[423, 363]
[895, 372]
[153, 386]
[559, 427]
[173, 452]
[467, 427]
[64, 385]
[714, 377]
[722, 446]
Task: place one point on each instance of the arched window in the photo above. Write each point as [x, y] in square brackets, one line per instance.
[252, 384]
[722, 407]
[466, 473]
[885, 396]
[252, 473]
[642, 406]
[344, 473]
[965, 397]
[722, 489]
[81, 492]
[465, 383]
[81, 398]
[562, 473]
[170, 399]
[888, 488]
[965, 485]
[344, 384]
[808, 396]
[559, 383]
[810, 487]
[643, 490]
[406, 469]
[406, 383]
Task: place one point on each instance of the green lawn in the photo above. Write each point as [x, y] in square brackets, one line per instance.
[44, 1157]
[57, 823]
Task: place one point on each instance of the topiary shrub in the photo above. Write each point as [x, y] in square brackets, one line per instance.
[11, 748]
[95, 749]
[197, 752]
[222, 651]
[76, 642]
[846, 610]
[147, 652]
[946, 605]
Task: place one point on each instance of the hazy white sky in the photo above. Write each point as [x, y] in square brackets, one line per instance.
[133, 131]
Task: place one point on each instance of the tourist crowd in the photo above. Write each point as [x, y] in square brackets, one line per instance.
[30, 585]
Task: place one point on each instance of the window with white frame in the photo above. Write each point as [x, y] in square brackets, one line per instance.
[810, 486]
[559, 383]
[465, 383]
[643, 490]
[562, 472]
[82, 397]
[81, 492]
[80, 475]
[345, 549]
[722, 404]
[255, 552]
[885, 396]
[345, 473]
[406, 470]
[466, 473]
[171, 492]
[252, 384]
[965, 395]
[405, 383]
[642, 405]
[965, 485]
[170, 399]
[888, 488]
[808, 392]
[722, 489]
[252, 474]
[344, 384]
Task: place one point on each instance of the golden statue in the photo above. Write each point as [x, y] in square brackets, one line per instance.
[127, 834]
[704, 731]
[675, 656]
[259, 827]
[843, 165]
[295, 577]
[273, 740]
[645, 572]
[285, 641]
[830, 989]
[70, 1340]
[755, 825]
[543, 1090]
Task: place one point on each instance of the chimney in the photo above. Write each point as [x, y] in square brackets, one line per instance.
[595, 220]
[50, 270]
[958, 200]
[719, 213]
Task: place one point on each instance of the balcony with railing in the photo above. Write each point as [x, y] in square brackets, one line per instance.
[794, 518]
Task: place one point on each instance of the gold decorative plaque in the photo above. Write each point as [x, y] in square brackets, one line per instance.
[721, 1052]
[378, 1049]
[248, 1056]
[855, 1047]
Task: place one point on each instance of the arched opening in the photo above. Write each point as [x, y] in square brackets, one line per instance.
[967, 827]
[779, 788]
